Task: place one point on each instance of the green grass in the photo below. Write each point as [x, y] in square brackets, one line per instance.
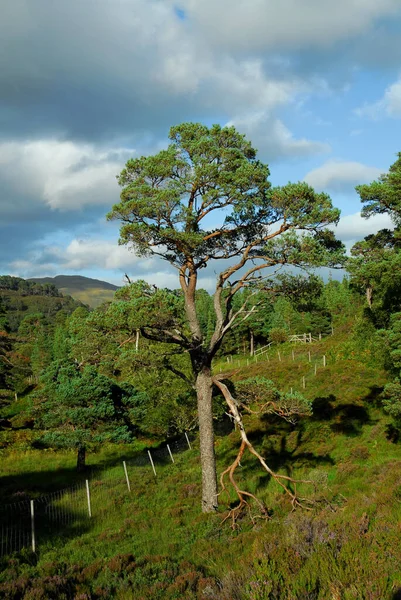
[155, 543]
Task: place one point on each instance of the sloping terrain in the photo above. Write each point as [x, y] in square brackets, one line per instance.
[89, 291]
[154, 542]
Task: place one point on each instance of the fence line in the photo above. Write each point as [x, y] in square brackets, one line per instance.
[31, 523]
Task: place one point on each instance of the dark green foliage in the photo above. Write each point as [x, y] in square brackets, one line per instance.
[28, 288]
[81, 409]
[384, 195]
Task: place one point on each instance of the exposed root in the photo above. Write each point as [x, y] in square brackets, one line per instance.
[288, 484]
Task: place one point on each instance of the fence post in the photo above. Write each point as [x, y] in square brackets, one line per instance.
[88, 498]
[303, 382]
[320, 337]
[33, 527]
[151, 462]
[169, 451]
[310, 338]
[126, 476]
[324, 360]
[293, 355]
[315, 368]
[309, 356]
[188, 442]
[290, 390]
[279, 355]
[304, 338]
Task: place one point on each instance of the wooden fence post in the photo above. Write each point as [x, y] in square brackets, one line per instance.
[169, 451]
[309, 356]
[126, 476]
[303, 382]
[33, 527]
[315, 368]
[324, 360]
[88, 496]
[293, 355]
[279, 355]
[151, 462]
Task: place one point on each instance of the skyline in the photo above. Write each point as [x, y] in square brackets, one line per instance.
[87, 85]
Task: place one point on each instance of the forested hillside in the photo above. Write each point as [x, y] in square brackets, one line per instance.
[32, 316]
[84, 289]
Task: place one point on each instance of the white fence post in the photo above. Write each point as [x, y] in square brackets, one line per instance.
[188, 442]
[88, 498]
[324, 360]
[315, 368]
[151, 462]
[320, 337]
[169, 451]
[33, 527]
[126, 476]
[290, 390]
[303, 382]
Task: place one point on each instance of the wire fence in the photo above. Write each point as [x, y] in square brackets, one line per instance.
[32, 523]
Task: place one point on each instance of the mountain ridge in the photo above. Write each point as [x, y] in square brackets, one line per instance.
[86, 289]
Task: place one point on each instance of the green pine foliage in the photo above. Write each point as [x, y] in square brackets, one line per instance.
[82, 409]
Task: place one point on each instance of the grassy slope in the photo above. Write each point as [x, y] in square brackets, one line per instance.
[347, 548]
[89, 291]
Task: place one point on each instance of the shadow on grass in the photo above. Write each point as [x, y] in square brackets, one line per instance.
[348, 418]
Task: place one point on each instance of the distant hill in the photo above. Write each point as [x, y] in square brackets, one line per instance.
[89, 291]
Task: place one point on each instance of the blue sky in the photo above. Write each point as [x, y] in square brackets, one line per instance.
[84, 85]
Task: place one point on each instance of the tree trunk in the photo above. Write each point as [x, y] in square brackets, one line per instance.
[206, 439]
[81, 458]
[369, 295]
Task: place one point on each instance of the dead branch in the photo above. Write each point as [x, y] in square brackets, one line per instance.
[283, 481]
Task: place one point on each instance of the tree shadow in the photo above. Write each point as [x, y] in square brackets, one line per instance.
[280, 459]
[58, 516]
[347, 418]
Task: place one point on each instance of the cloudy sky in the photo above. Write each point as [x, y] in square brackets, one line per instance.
[86, 84]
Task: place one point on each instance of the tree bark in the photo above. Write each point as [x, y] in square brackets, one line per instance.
[81, 455]
[369, 295]
[204, 386]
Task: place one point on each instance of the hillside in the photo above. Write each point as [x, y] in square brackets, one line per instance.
[89, 291]
[153, 544]
[20, 298]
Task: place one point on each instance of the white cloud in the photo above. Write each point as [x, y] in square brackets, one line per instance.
[61, 174]
[94, 255]
[352, 228]
[341, 176]
[389, 105]
[273, 139]
[288, 24]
